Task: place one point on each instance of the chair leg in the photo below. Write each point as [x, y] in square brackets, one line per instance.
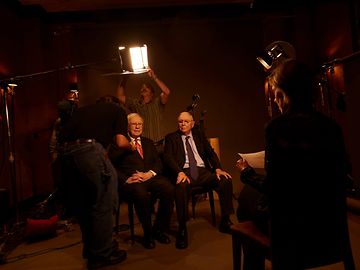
[212, 207]
[236, 250]
[349, 263]
[193, 203]
[117, 219]
[131, 221]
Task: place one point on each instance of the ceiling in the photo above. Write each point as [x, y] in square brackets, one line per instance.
[56, 6]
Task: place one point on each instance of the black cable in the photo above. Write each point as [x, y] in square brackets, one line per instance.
[37, 253]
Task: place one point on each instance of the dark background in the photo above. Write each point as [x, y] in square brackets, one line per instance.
[208, 49]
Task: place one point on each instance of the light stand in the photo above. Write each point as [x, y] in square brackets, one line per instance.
[191, 109]
[14, 236]
[194, 104]
[8, 89]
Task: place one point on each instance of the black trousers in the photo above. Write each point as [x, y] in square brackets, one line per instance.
[223, 188]
[143, 195]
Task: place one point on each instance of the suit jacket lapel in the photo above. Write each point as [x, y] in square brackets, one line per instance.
[198, 143]
[179, 141]
[144, 147]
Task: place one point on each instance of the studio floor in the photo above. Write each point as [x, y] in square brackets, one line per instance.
[208, 249]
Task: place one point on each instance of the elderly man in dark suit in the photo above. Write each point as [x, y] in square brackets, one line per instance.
[193, 162]
[140, 179]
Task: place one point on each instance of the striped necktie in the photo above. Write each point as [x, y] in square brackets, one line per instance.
[139, 148]
[194, 173]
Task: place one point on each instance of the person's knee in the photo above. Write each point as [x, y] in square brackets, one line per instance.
[182, 186]
[225, 183]
[168, 188]
[182, 190]
[141, 196]
[169, 194]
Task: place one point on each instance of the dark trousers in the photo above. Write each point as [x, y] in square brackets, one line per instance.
[90, 184]
[223, 188]
[143, 195]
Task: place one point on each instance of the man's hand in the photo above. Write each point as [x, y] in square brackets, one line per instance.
[165, 91]
[133, 179]
[151, 74]
[182, 177]
[143, 176]
[241, 164]
[122, 142]
[133, 145]
[220, 173]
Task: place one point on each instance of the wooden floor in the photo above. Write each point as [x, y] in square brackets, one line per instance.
[208, 249]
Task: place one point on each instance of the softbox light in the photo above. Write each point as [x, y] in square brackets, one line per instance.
[275, 53]
[133, 60]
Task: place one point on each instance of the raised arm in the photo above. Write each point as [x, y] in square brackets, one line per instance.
[165, 91]
[120, 90]
[122, 142]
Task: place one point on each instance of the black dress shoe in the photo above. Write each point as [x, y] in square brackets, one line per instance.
[162, 237]
[182, 239]
[224, 226]
[148, 243]
[114, 247]
[117, 256]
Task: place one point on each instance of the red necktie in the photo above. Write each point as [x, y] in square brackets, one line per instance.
[139, 148]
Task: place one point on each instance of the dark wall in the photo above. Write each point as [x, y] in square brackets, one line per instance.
[25, 54]
[212, 55]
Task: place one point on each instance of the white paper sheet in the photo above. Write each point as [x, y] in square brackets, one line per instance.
[255, 160]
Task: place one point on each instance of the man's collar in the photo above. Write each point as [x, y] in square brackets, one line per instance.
[190, 134]
[133, 139]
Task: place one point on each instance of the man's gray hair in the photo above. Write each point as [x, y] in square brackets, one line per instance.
[132, 115]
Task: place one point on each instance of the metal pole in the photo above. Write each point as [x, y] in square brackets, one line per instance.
[8, 91]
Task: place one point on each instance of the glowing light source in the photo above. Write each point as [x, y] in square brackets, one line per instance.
[134, 60]
[275, 53]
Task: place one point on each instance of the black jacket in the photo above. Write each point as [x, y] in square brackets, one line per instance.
[127, 163]
[174, 151]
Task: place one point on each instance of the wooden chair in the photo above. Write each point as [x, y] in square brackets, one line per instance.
[198, 191]
[246, 233]
[131, 220]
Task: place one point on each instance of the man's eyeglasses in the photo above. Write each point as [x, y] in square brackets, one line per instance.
[136, 124]
[186, 122]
